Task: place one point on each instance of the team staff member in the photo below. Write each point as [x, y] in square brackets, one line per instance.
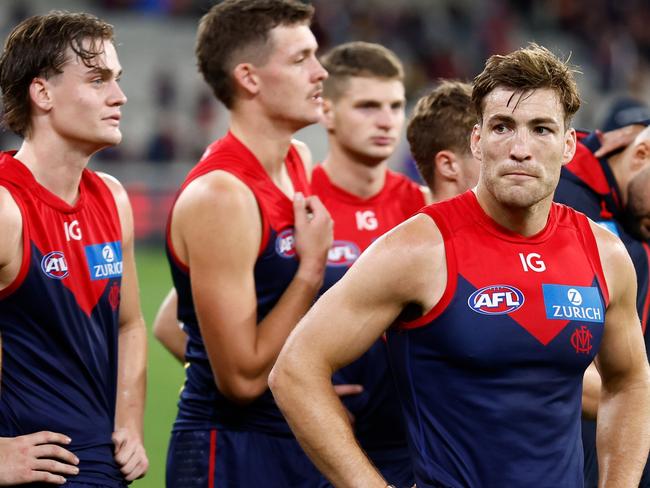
[247, 246]
[490, 364]
[364, 114]
[73, 337]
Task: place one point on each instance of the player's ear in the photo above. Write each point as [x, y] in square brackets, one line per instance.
[328, 114]
[446, 164]
[246, 78]
[474, 142]
[40, 94]
[641, 155]
[570, 143]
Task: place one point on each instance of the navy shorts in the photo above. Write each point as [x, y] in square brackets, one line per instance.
[223, 459]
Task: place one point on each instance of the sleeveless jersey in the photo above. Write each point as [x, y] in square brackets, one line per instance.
[59, 320]
[202, 405]
[357, 223]
[587, 184]
[491, 377]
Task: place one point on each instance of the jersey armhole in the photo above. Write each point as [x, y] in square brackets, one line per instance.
[266, 231]
[593, 255]
[27, 252]
[452, 278]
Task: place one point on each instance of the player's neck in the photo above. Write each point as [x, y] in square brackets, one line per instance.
[269, 142]
[445, 190]
[57, 167]
[358, 178]
[525, 221]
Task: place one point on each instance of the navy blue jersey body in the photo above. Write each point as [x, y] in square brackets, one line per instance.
[491, 377]
[59, 320]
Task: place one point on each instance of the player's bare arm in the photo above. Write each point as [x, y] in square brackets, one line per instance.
[339, 328]
[11, 239]
[167, 329]
[132, 353]
[590, 392]
[217, 232]
[623, 435]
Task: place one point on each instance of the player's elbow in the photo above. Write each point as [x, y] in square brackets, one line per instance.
[281, 378]
[242, 390]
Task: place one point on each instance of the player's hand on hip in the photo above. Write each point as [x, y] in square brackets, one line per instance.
[36, 457]
[130, 454]
[345, 390]
[313, 230]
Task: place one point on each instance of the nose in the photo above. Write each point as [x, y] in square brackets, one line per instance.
[319, 74]
[117, 95]
[520, 150]
[385, 118]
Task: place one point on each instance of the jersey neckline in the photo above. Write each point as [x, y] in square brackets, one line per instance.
[43, 193]
[488, 223]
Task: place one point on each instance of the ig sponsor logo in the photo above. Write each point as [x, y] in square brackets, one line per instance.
[54, 265]
[496, 300]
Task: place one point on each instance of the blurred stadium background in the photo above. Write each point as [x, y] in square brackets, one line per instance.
[171, 115]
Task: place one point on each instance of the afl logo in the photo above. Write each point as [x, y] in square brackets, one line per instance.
[496, 300]
[54, 265]
[285, 244]
[342, 253]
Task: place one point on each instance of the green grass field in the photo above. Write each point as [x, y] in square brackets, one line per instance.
[165, 374]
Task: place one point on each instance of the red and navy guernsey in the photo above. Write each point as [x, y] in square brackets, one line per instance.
[59, 320]
[202, 405]
[491, 377]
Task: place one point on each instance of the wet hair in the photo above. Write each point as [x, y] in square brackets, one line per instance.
[236, 31]
[38, 47]
[441, 120]
[358, 59]
[525, 70]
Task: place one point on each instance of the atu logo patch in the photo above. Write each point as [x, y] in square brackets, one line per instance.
[496, 300]
[54, 265]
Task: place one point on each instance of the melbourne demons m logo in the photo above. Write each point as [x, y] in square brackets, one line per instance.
[285, 244]
[581, 340]
[54, 265]
[496, 300]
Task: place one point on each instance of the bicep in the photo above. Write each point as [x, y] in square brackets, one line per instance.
[221, 231]
[622, 350]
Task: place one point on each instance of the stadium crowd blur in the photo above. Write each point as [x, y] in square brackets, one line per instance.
[171, 116]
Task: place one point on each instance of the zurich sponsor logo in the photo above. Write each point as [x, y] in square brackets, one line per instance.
[285, 244]
[54, 265]
[581, 303]
[342, 253]
[104, 260]
[496, 300]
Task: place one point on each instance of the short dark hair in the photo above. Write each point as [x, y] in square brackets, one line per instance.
[358, 59]
[236, 29]
[528, 69]
[37, 47]
[443, 119]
